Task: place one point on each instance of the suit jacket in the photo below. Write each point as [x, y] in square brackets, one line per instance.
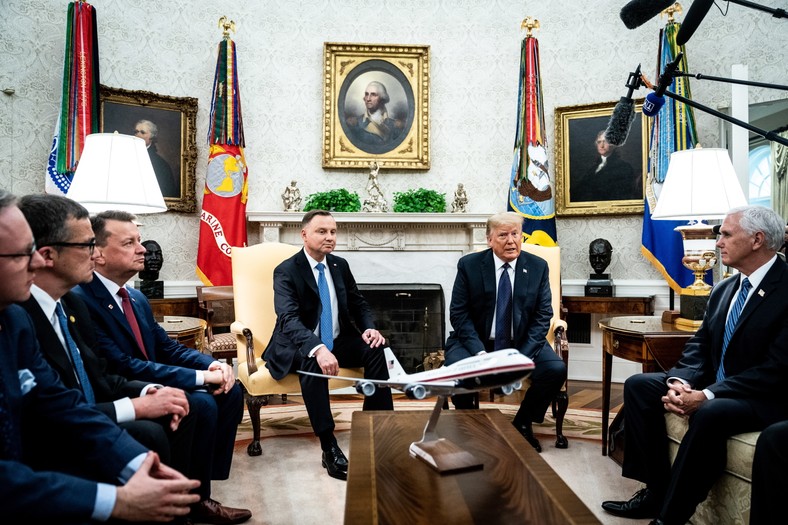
[473, 303]
[107, 387]
[169, 362]
[87, 440]
[297, 305]
[756, 361]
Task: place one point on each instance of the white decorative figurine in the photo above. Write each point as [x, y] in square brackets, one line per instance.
[292, 197]
[460, 202]
[375, 202]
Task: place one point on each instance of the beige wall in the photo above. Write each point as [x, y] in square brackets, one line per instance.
[169, 48]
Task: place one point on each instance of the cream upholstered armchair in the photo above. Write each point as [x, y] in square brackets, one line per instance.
[556, 336]
[253, 289]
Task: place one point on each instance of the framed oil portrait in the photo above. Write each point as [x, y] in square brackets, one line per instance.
[168, 125]
[593, 177]
[376, 106]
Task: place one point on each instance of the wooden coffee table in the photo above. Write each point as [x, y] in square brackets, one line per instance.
[387, 486]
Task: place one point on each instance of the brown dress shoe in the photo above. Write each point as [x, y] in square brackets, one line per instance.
[214, 513]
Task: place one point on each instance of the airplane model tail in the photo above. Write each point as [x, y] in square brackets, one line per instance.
[394, 366]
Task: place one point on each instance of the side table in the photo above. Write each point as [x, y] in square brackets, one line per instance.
[640, 339]
[189, 331]
[609, 305]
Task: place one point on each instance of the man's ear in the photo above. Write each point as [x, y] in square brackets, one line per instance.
[48, 254]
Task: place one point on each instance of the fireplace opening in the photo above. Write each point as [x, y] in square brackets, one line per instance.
[411, 317]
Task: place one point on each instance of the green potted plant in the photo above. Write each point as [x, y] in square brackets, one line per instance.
[339, 200]
[419, 201]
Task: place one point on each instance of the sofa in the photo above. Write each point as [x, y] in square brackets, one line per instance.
[728, 502]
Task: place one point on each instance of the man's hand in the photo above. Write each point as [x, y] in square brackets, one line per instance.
[228, 376]
[682, 400]
[327, 361]
[160, 402]
[155, 492]
[373, 338]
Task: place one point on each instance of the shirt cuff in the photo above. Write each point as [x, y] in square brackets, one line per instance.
[312, 352]
[124, 410]
[709, 393]
[199, 378]
[106, 496]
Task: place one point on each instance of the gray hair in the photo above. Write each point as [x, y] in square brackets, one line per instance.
[507, 218]
[384, 95]
[6, 199]
[154, 129]
[762, 219]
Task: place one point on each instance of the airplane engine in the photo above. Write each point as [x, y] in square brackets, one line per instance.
[416, 391]
[507, 389]
[366, 388]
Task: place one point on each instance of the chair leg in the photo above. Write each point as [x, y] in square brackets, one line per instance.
[253, 403]
[560, 405]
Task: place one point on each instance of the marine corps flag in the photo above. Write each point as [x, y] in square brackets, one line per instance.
[673, 130]
[79, 100]
[531, 190]
[223, 217]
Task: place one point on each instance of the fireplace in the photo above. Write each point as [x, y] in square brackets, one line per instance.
[411, 317]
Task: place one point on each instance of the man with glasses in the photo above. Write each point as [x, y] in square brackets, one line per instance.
[118, 478]
[152, 414]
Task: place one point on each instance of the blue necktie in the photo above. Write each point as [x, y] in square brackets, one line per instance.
[76, 358]
[503, 311]
[730, 324]
[326, 319]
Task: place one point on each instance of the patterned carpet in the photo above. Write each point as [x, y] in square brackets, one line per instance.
[291, 419]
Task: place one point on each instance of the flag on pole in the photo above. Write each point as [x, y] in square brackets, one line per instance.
[531, 190]
[79, 102]
[673, 129]
[223, 217]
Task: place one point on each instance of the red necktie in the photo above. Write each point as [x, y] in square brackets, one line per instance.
[128, 311]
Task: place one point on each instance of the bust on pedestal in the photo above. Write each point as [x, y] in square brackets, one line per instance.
[599, 284]
[149, 284]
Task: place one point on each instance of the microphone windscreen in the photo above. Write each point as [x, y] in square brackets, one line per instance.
[692, 20]
[653, 104]
[620, 122]
[638, 12]
[716, 229]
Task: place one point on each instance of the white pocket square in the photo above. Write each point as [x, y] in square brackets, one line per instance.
[26, 381]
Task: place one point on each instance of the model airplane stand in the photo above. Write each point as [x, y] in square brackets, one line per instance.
[440, 453]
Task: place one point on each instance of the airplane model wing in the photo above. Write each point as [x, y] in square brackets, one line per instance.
[504, 369]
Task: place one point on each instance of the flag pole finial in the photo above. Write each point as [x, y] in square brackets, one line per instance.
[529, 24]
[226, 26]
[674, 9]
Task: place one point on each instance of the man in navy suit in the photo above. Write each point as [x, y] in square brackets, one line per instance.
[143, 351]
[730, 379]
[73, 477]
[346, 337]
[480, 326]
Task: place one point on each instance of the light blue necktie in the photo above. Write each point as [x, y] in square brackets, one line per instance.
[76, 358]
[730, 324]
[326, 319]
[503, 311]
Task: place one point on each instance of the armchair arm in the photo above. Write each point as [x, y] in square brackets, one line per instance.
[245, 340]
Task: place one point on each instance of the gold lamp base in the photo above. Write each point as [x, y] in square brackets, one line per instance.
[700, 256]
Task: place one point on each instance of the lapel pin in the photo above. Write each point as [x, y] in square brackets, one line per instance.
[71, 318]
[525, 270]
[761, 292]
[110, 306]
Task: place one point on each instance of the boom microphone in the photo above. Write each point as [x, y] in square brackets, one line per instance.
[654, 101]
[623, 114]
[692, 20]
[638, 12]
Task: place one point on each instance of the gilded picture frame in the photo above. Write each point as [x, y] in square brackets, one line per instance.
[171, 138]
[585, 185]
[398, 134]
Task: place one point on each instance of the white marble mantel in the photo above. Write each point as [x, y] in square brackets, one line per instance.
[435, 232]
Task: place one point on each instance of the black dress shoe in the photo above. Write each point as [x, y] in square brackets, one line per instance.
[528, 433]
[643, 504]
[335, 462]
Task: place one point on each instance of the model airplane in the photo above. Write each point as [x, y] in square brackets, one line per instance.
[503, 369]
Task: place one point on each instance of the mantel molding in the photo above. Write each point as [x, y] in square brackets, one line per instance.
[384, 231]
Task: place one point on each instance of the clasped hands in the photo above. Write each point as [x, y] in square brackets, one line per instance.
[221, 375]
[682, 400]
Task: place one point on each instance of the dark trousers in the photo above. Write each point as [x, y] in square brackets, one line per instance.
[547, 378]
[770, 475]
[351, 352]
[702, 454]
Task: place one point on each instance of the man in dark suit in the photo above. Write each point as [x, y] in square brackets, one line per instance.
[609, 178]
[501, 299]
[320, 334]
[73, 478]
[153, 356]
[730, 379]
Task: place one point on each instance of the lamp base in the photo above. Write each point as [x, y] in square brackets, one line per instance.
[693, 307]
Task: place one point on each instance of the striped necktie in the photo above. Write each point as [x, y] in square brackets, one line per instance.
[326, 318]
[76, 357]
[503, 311]
[730, 324]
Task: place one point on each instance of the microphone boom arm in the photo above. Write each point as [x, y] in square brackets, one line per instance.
[776, 13]
[768, 135]
[701, 76]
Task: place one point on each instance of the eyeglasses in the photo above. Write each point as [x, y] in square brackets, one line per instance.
[29, 254]
[90, 245]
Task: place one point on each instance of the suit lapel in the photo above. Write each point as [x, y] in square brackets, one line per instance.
[49, 342]
[521, 281]
[339, 282]
[306, 273]
[110, 307]
[766, 287]
[488, 283]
